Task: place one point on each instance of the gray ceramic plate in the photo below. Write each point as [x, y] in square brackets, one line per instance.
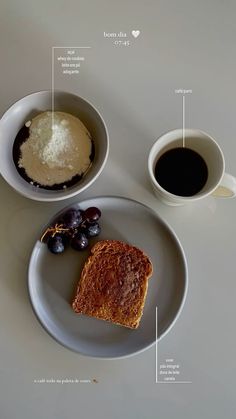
[52, 280]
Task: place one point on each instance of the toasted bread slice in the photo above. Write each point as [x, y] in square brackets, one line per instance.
[113, 283]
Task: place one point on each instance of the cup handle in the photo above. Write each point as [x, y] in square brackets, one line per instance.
[226, 188]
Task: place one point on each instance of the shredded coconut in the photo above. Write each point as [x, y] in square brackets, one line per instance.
[58, 148]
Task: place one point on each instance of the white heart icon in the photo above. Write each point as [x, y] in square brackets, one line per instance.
[135, 33]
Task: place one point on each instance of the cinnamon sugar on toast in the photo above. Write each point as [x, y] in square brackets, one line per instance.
[113, 283]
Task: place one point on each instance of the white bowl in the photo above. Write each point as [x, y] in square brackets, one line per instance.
[28, 107]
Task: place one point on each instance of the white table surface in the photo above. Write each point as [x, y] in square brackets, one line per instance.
[182, 44]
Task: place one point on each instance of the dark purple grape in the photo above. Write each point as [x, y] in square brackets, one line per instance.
[66, 237]
[82, 214]
[92, 230]
[56, 244]
[92, 214]
[72, 218]
[79, 242]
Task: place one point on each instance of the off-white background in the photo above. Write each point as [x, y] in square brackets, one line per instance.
[183, 44]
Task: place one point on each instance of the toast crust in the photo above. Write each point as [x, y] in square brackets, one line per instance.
[113, 283]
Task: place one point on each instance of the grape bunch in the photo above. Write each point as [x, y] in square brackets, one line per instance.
[74, 228]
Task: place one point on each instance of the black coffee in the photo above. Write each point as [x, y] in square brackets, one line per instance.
[181, 171]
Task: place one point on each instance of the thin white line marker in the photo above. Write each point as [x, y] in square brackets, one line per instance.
[52, 86]
[164, 382]
[156, 348]
[72, 47]
[53, 81]
[183, 121]
[174, 382]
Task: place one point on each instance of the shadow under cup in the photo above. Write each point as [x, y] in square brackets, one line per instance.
[199, 142]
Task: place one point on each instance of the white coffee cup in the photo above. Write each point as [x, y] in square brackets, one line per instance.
[219, 183]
